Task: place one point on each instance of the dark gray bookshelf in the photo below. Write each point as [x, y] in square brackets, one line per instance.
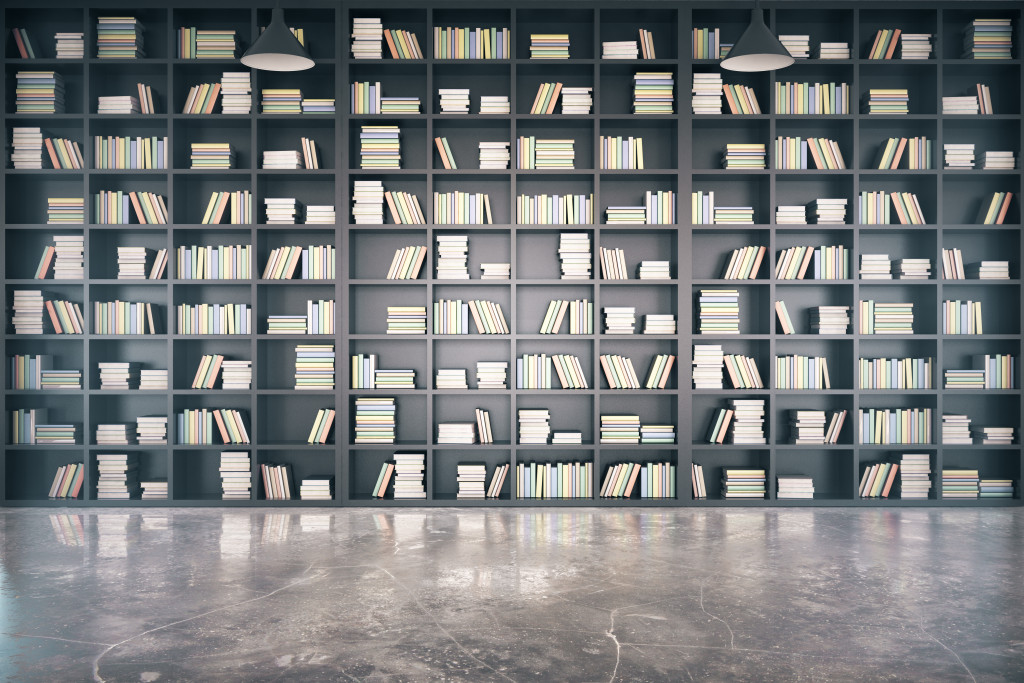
[682, 154]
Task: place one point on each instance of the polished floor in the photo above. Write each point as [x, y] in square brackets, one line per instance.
[512, 595]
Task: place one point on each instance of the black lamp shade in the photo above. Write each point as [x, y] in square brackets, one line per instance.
[757, 49]
[277, 49]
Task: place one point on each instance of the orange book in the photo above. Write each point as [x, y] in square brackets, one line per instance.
[45, 262]
[444, 157]
[138, 208]
[733, 108]
[391, 44]
[217, 360]
[664, 373]
[888, 482]
[382, 489]
[632, 481]
[725, 426]
[757, 262]
[328, 421]
[537, 99]
[220, 425]
[213, 98]
[1005, 207]
[76, 486]
[871, 52]
[813, 149]
[395, 216]
[808, 257]
[899, 153]
[898, 205]
[53, 318]
[892, 44]
[21, 45]
[54, 159]
[554, 98]
[222, 204]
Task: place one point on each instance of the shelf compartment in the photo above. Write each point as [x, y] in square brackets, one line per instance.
[740, 190]
[270, 428]
[451, 408]
[907, 20]
[904, 242]
[569, 411]
[642, 353]
[195, 474]
[464, 137]
[371, 251]
[189, 352]
[496, 188]
[368, 304]
[757, 311]
[625, 24]
[831, 471]
[444, 467]
[962, 79]
[71, 72]
[838, 355]
[488, 78]
[782, 415]
[318, 28]
[235, 132]
[716, 459]
[997, 302]
[302, 464]
[713, 133]
[124, 409]
[532, 304]
[364, 467]
[411, 427]
[578, 23]
[29, 472]
[966, 198]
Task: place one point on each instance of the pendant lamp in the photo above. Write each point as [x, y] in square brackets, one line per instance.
[758, 49]
[277, 49]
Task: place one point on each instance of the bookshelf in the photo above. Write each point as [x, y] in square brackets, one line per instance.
[682, 154]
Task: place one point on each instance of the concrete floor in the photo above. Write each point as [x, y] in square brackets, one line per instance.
[512, 595]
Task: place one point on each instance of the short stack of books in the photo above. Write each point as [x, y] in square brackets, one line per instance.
[152, 380]
[994, 436]
[154, 489]
[791, 215]
[471, 479]
[734, 215]
[743, 483]
[887, 101]
[708, 361]
[456, 433]
[70, 45]
[620, 429]
[112, 434]
[118, 375]
[367, 38]
[1002, 161]
[748, 421]
[549, 46]
[956, 429]
[452, 255]
[454, 100]
[829, 211]
[28, 148]
[915, 476]
[282, 210]
[495, 104]
[491, 374]
[317, 487]
[118, 105]
[875, 267]
[407, 320]
[914, 268]
[574, 255]
[958, 483]
[959, 155]
[314, 367]
[830, 319]
[619, 319]
[799, 46]
[450, 378]
[534, 425]
[654, 270]
[379, 147]
[877, 317]
[795, 487]
[960, 104]
[317, 105]
[151, 430]
[833, 51]
[659, 323]
[494, 155]
[495, 271]
[995, 488]
[577, 100]
[287, 159]
[320, 215]
[39, 92]
[741, 155]
[656, 433]
[620, 49]
[915, 46]
[235, 475]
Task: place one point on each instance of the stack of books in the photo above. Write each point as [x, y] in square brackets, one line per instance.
[379, 147]
[990, 270]
[409, 469]
[321, 105]
[620, 429]
[743, 483]
[450, 378]
[70, 44]
[988, 39]
[994, 436]
[915, 46]
[960, 483]
[494, 155]
[367, 38]
[995, 488]
[886, 318]
[314, 367]
[747, 156]
[707, 366]
[118, 476]
[956, 429]
[407, 320]
[286, 159]
[452, 257]
[119, 38]
[153, 380]
[151, 430]
[999, 160]
[367, 202]
[574, 255]
[69, 254]
[454, 100]
[959, 155]
[216, 155]
[317, 487]
[118, 376]
[495, 271]
[964, 379]
[491, 374]
[394, 379]
[375, 420]
[875, 267]
[549, 46]
[236, 92]
[707, 93]
[566, 438]
[235, 475]
[748, 421]
[659, 323]
[495, 104]
[619, 319]
[654, 270]
[620, 49]
[659, 434]
[281, 210]
[653, 92]
[829, 211]
[833, 51]
[795, 487]
[55, 434]
[281, 101]
[534, 425]
[887, 101]
[960, 104]
[112, 434]
[39, 92]
[471, 479]
[799, 46]
[456, 433]
[398, 105]
[154, 489]
[118, 105]
[914, 268]
[734, 215]
[28, 148]
[915, 476]
[215, 44]
[577, 100]
[320, 215]
[791, 215]
[719, 311]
